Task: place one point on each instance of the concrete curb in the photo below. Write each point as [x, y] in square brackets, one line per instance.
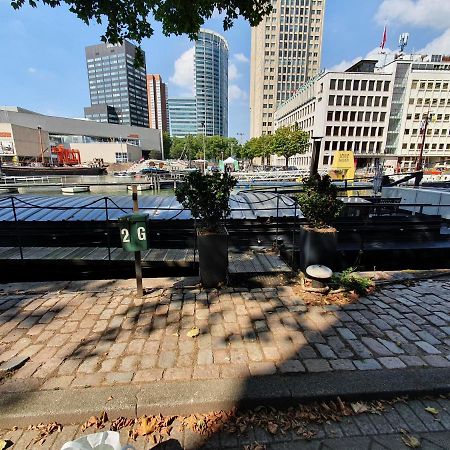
[76, 405]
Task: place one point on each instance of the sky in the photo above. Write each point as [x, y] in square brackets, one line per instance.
[43, 64]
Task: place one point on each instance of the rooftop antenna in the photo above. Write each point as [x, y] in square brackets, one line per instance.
[403, 41]
[383, 45]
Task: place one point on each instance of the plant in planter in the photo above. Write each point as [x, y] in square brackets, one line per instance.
[207, 197]
[320, 206]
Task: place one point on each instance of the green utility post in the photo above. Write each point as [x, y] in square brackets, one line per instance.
[133, 234]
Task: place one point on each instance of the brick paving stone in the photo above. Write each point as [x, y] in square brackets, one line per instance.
[410, 418]
[317, 365]
[148, 375]
[413, 361]
[360, 349]
[376, 346]
[234, 371]
[262, 368]
[431, 422]
[119, 377]
[392, 362]
[206, 372]
[167, 360]
[346, 333]
[428, 348]
[325, 351]
[367, 364]
[306, 352]
[291, 366]
[342, 364]
[436, 361]
[427, 337]
[177, 373]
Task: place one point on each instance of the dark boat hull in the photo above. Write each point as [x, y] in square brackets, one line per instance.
[30, 171]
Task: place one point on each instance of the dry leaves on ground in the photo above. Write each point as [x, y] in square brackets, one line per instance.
[97, 422]
[255, 446]
[45, 430]
[207, 424]
[409, 440]
[156, 428]
[193, 332]
[432, 410]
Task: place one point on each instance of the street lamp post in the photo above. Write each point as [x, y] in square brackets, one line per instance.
[40, 144]
[204, 147]
[423, 129]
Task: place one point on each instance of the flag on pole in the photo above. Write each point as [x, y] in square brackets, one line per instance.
[384, 39]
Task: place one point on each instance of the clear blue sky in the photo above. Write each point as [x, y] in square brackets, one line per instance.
[43, 66]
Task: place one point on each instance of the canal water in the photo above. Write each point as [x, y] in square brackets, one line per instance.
[104, 185]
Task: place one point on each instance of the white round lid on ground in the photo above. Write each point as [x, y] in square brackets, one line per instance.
[319, 272]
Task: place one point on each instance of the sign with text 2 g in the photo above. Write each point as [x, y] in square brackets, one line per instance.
[133, 232]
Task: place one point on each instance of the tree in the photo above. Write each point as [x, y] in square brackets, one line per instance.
[167, 144]
[131, 19]
[286, 142]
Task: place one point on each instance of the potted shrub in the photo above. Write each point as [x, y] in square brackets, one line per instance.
[207, 197]
[320, 206]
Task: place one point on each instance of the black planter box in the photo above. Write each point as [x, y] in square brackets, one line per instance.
[213, 259]
[317, 248]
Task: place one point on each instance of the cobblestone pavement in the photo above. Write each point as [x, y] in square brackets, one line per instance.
[361, 432]
[88, 338]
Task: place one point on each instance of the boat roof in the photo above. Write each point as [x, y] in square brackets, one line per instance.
[244, 206]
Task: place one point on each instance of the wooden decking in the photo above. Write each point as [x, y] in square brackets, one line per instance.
[239, 262]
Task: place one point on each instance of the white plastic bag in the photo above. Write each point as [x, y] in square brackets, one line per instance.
[106, 440]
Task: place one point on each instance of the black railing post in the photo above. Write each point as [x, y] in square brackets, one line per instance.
[293, 233]
[278, 210]
[195, 239]
[108, 239]
[19, 239]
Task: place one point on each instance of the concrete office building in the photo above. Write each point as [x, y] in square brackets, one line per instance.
[25, 134]
[182, 116]
[117, 89]
[376, 113]
[421, 88]
[211, 83]
[157, 103]
[285, 53]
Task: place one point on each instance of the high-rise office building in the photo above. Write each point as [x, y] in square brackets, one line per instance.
[157, 103]
[285, 53]
[118, 90]
[211, 83]
[182, 116]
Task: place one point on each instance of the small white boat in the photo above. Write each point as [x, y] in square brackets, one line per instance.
[9, 190]
[74, 189]
[140, 187]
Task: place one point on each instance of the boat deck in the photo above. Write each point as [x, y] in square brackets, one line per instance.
[239, 263]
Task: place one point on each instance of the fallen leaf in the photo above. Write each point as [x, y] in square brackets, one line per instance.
[431, 410]
[3, 444]
[359, 407]
[110, 398]
[411, 441]
[272, 427]
[193, 332]
[146, 426]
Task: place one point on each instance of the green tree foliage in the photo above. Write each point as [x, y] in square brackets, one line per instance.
[167, 144]
[132, 19]
[318, 201]
[207, 197]
[287, 142]
[258, 147]
[191, 147]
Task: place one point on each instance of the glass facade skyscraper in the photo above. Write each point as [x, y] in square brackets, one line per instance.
[211, 83]
[117, 89]
[182, 116]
